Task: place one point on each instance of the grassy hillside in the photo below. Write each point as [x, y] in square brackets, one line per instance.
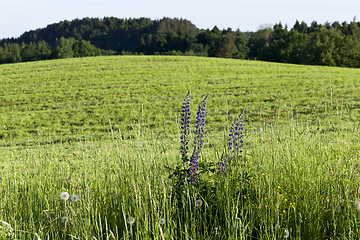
[63, 100]
[298, 174]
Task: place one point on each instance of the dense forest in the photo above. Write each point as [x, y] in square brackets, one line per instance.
[330, 44]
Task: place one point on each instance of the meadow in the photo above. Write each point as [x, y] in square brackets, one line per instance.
[108, 130]
[62, 100]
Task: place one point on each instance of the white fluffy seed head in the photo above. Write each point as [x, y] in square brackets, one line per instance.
[64, 196]
[64, 219]
[286, 233]
[198, 203]
[74, 198]
[162, 221]
[131, 220]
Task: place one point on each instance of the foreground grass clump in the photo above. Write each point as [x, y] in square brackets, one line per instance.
[291, 180]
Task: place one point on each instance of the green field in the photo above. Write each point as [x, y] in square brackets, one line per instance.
[72, 98]
[107, 129]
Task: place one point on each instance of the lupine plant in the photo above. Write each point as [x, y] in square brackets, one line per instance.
[198, 138]
[235, 144]
[186, 176]
[235, 140]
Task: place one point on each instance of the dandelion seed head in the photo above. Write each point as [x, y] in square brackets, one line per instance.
[131, 220]
[198, 203]
[74, 198]
[286, 233]
[64, 196]
[64, 219]
[162, 221]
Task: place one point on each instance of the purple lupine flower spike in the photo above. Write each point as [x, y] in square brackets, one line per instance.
[200, 124]
[198, 141]
[235, 143]
[185, 128]
[239, 133]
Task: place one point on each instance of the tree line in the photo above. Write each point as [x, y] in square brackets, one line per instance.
[330, 44]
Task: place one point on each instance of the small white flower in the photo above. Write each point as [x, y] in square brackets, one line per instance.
[198, 203]
[162, 221]
[75, 198]
[64, 219]
[64, 196]
[131, 220]
[286, 233]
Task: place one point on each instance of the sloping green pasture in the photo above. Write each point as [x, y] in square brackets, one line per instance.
[66, 99]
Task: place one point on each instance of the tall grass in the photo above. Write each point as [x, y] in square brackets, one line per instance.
[295, 177]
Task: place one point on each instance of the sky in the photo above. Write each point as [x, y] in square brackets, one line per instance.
[19, 16]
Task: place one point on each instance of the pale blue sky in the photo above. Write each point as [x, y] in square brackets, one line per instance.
[18, 16]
